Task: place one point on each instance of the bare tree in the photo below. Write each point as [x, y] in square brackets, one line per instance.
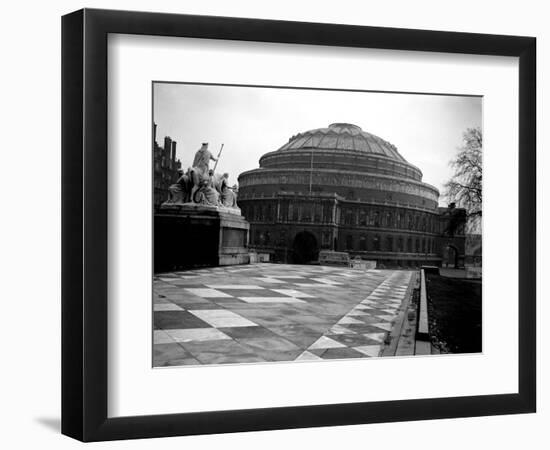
[465, 188]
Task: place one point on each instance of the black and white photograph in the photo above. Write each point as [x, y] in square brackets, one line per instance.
[275, 225]
[304, 225]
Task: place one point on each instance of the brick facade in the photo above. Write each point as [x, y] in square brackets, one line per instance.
[348, 198]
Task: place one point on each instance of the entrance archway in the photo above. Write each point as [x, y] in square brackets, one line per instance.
[305, 248]
[451, 254]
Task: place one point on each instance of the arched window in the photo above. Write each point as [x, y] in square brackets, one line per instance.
[318, 212]
[349, 242]
[327, 213]
[306, 213]
[409, 245]
[376, 243]
[362, 217]
[282, 237]
[389, 219]
[376, 219]
[284, 211]
[400, 244]
[389, 244]
[363, 243]
[417, 245]
[424, 245]
[294, 209]
[349, 217]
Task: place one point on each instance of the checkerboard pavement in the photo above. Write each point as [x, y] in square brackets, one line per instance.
[267, 312]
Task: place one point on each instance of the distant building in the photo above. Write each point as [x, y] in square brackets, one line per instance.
[165, 167]
[343, 189]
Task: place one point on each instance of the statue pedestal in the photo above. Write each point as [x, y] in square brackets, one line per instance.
[189, 236]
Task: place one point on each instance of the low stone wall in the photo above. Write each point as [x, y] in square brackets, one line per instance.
[256, 257]
[331, 258]
[423, 330]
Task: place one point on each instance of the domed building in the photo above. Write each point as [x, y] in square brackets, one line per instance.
[343, 189]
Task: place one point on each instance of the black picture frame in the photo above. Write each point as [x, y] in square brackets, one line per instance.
[84, 224]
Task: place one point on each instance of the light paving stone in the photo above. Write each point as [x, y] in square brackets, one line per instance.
[325, 342]
[327, 281]
[166, 307]
[338, 329]
[234, 286]
[307, 356]
[293, 293]
[222, 318]
[383, 326]
[197, 334]
[369, 350]
[270, 300]
[207, 292]
[376, 336]
[348, 320]
[270, 280]
[161, 337]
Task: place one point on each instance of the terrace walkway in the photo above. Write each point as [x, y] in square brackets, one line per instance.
[275, 312]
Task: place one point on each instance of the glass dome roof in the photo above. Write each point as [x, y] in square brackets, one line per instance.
[343, 136]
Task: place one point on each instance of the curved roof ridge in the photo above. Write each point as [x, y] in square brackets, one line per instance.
[343, 136]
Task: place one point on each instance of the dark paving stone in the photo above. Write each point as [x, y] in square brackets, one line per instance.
[338, 353]
[278, 356]
[248, 332]
[249, 292]
[167, 320]
[364, 320]
[183, 283]
[365, 328]
[179, 362]
[226, 300]
[306, 320]
[271, 321]
[171, 355]
[221, 352]
[193, 306]
[185, 300]
[354, 340]
[272, 344]
[301, 335]
[232, 304]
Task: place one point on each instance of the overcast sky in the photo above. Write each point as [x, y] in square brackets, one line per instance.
[251, 121]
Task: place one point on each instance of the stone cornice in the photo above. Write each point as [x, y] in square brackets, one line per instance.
[333, 177]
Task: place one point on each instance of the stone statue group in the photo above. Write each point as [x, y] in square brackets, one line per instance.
[201, 185]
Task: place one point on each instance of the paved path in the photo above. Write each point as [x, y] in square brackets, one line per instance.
[271, 312]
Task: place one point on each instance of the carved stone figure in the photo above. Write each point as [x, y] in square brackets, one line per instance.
[202, 161]
[200, 169]
[180, 191]
[200, 185]
[207, 194]
[228, 194]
